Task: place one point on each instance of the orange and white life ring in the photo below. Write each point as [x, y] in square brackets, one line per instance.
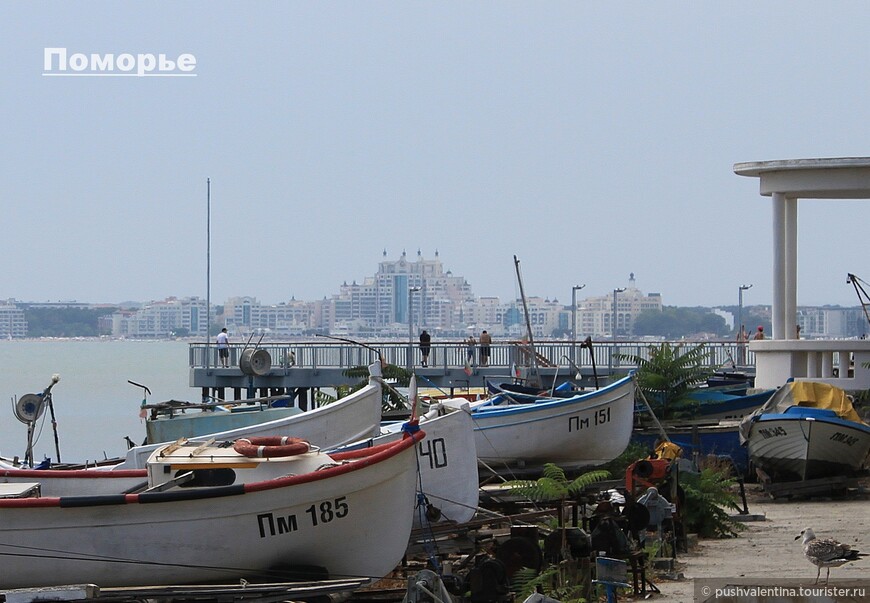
[268, 447]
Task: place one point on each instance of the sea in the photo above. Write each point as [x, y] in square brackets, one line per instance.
[94, 405]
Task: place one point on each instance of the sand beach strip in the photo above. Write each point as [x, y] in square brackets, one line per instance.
[767, 550]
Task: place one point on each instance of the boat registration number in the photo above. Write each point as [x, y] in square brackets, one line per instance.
[323, 512]
[599, 417]
[844, 438]
[772, 432]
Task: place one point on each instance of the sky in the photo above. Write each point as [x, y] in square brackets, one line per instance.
[590, 139]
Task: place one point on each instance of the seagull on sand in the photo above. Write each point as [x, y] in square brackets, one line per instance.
[826, 552]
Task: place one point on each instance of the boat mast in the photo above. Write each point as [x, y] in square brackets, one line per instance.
[207, 273]
[534, 378]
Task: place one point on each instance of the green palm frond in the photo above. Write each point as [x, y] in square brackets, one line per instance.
[554, 472]
[393, 374]
[580, 483]
[553, 485]
[668, 373]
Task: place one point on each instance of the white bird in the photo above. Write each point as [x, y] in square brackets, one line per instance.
[826, 552]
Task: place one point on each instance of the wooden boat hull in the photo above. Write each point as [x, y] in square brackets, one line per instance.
[188, 425]
[721, 405]
[354, 417]
[447, 463]
[349, 419]
[352, 519]
[720, 439]
[586, 430]
[800, 447]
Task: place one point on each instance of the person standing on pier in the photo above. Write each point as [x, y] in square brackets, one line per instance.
[223, 346]
[470, 344]
[425, 346]
[485, 341]
[742, 338]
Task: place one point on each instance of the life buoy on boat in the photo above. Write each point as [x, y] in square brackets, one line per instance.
[268, 447]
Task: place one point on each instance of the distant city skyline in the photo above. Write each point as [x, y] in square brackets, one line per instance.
[589, 139]
[565, 298]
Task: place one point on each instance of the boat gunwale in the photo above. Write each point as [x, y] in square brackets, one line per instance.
[367, 457]
[835, 420]
[73, 473]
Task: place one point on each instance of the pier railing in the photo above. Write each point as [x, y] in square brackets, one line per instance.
[843, 363]
[452, 354]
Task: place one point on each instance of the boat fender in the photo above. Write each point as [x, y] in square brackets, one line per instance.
[268, 447]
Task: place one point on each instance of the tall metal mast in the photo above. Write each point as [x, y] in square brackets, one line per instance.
[534, 379]
[208, 273]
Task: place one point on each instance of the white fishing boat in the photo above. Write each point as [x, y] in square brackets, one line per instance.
[807, 430]
[349, 419]
[220, 513]
[588, 429]
[354, 417]
[448, 488]
[170, 420]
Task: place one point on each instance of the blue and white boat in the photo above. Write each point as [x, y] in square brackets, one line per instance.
[727, 403]
[585, 430]
[807, 430]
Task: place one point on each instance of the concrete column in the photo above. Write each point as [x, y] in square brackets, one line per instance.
[843, 364]
[779, 266]
[814, 365]
[827, 364]
[791, 237]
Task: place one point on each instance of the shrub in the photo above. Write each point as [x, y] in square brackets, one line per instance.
[708, 498]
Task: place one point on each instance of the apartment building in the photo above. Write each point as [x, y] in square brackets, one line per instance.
[159, 319]
[12, 322]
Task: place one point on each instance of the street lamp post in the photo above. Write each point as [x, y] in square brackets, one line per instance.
[613, 314]
[740, 306]
[574, 291]
[411, 292]
[741, 334]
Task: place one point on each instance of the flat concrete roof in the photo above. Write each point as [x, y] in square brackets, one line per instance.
[824, 178]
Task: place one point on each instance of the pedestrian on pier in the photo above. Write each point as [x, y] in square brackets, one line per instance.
[425, 346]
[470, 345]
[485, 341]
[223, 346]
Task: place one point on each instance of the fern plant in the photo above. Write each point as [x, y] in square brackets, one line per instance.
[668, 374]
[709, 496]
[554, 485]
[564, 582]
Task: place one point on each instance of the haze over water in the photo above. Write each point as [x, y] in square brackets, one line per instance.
[94, 405]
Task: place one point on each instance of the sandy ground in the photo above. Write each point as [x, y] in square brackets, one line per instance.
[767, 548]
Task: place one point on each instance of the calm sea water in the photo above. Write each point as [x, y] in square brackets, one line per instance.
[94, 405]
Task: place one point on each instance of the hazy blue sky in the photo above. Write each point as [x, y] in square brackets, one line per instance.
[591, 139]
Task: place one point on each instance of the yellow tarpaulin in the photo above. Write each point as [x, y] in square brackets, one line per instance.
[809, 394]
[815, 394]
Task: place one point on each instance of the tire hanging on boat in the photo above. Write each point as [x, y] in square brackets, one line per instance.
[268, 447]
